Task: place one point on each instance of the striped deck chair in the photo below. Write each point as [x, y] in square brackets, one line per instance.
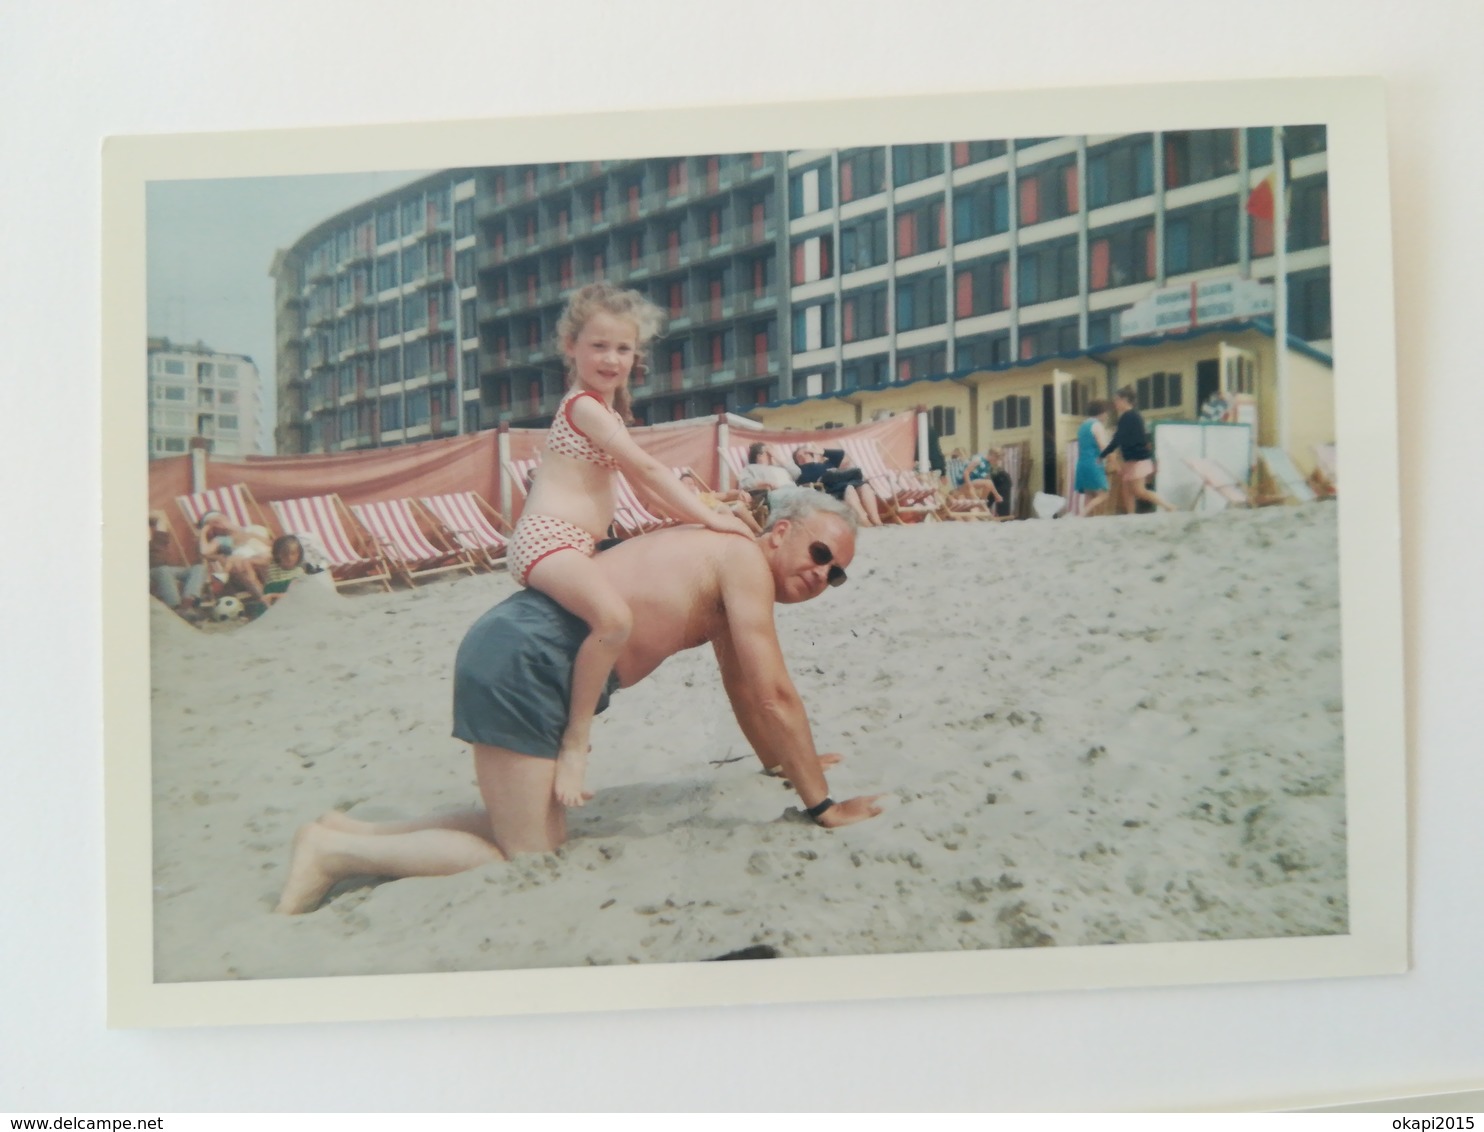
[353, 555]
[630, 516]
[902, 494]
[1016, 459]
[235, 502]
[412, 540]
[478, 527]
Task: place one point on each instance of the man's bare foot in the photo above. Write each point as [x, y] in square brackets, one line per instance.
[825, 761]
[571, 772]
[309, 875]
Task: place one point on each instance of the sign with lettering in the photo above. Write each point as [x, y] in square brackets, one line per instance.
[1196, 304]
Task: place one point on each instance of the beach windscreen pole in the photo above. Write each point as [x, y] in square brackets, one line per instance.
[723, 438]
[922, 439]
[1280, 286]
[502, 457]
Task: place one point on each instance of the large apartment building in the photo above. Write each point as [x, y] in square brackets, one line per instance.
[197, 393]
[432, 310]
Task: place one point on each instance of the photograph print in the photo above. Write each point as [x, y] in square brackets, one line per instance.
[582, 554]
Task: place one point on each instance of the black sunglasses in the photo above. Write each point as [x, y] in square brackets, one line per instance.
[822, 556]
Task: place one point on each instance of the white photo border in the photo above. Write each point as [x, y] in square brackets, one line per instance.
[1352, 109]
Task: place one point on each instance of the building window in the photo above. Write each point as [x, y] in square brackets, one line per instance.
[982, 286]
[228, 397]
[921, 228]
[414, 313]
[812, 258]
[175, 393]
[982, 210]
[863, 314]
[1120, 171]
[1159, 391]
[1047, 192]
[916, 364]
[226, 424]
[175, 444]
[814, 326]
[1102, 328]
[864, 373]
[1040, 339]
[389, 367]
[1299, 141]
[971, 153]
[809, 191]
[984, 351]
[414, 217]
[1192, 156]
[1308, 304]
[1011, 412]
[1048, 271]
[911, 163]
[463, 219]
[921, 301]
[862, 173]
[386, 225]
[464, 268]
[1119, 256]
[414, 262]
[1259, 146]
[1309, 225]
[943, 420]
[417, 408]
[388, 318]
[863, 243]
[175, 367]
[1201, 237]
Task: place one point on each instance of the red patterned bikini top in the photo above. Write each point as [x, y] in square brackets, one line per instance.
[567, 439]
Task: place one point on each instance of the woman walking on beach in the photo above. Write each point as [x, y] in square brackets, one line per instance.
[1131, 439]
[603, 333]
[1091, 479]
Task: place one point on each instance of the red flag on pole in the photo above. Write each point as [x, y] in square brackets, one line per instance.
[1260, 200]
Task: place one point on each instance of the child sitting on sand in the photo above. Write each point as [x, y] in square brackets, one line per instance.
[603, 333]
[287, 567]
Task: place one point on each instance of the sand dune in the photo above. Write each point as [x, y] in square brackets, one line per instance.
[1090, 731]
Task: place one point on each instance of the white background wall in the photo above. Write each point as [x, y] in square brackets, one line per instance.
[74, 73]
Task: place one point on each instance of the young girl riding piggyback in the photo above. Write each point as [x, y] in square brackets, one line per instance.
[603, 334]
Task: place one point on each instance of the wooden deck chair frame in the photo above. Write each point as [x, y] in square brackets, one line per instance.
[1281, 482]
[462, 514]
[412, 539]
[371, 563]
[1218, 481]
[913, 494]
[630, 515]
[1325, 478]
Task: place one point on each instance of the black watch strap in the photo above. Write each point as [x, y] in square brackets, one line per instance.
[815, 811]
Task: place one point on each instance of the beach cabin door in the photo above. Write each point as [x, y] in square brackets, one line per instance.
[1239, 385]
[1061, 429]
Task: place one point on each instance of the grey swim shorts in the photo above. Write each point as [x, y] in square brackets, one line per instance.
[512, 678]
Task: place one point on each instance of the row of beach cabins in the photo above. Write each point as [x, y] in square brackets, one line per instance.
[397, 515]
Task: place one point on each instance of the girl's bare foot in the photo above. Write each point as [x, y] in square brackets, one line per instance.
[571, 772]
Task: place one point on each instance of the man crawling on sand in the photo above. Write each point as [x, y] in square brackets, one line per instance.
[686, 586]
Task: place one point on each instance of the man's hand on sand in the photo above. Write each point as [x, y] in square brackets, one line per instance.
[850, 811]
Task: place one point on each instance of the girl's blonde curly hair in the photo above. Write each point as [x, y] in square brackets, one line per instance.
[604, 298]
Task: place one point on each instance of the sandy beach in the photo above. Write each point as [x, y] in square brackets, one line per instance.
[1089, 732]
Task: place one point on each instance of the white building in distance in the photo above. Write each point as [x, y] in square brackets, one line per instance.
[195, 391]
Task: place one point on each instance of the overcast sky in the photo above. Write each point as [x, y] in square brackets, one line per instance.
[210, 244]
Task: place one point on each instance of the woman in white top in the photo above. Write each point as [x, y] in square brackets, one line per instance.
[763, 472]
